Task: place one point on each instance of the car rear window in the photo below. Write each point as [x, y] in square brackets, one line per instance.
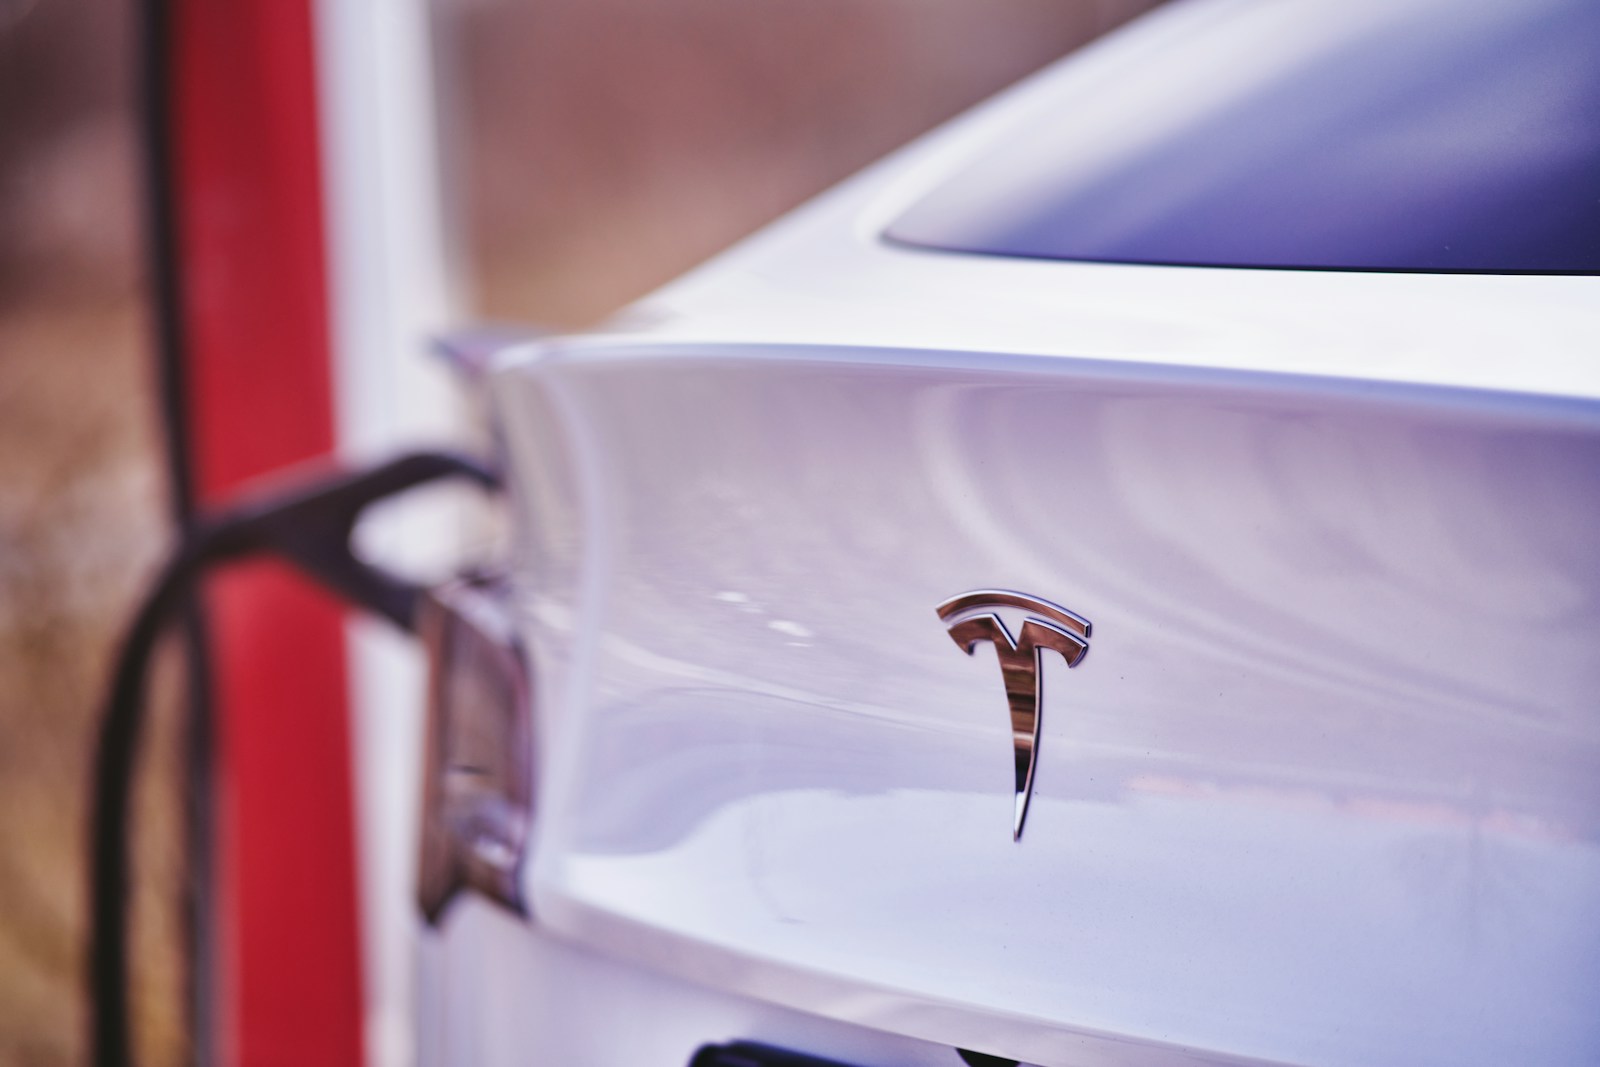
[1446, 135]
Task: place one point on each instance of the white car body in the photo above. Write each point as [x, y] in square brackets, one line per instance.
[1324, 790]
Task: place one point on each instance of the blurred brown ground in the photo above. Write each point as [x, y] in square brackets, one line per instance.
[597, 148]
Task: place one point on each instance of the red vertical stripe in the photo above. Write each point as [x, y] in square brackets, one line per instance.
[253, 277]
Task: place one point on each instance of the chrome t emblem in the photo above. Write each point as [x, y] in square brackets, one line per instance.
[971, 618]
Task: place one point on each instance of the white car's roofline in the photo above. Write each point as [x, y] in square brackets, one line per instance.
[824, 276]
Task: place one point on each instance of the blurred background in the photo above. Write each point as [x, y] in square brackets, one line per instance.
[594, 149]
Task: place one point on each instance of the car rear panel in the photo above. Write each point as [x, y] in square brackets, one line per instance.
[1323, 791]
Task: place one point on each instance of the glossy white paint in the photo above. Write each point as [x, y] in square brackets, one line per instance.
[511, 995]
[1325, 791]
[823, 276]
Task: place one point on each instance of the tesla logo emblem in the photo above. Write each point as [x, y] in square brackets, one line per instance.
[971, 618]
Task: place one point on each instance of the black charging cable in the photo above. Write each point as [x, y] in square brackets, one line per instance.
[307, 522]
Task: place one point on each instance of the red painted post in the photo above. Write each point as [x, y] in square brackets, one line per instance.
[254, 309]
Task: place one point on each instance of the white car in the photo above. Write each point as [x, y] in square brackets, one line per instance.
[1235, 382]
[1116, 584]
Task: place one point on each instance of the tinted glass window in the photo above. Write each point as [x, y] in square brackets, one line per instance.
[1445, 135]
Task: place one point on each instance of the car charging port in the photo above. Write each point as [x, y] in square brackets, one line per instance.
[477, 795]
